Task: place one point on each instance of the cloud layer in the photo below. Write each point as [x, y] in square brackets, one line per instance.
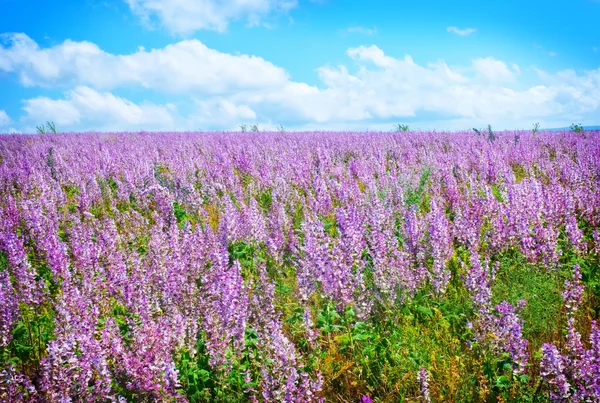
[182, 67]
[223, 90]
[86, 107]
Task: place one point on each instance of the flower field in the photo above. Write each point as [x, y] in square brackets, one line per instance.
[300, 267]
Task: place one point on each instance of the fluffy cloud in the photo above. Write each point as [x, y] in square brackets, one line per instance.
[494, 71]
[576, 93]
[86, 108]
[187, 16]
[378, 89]
[184, 67]
[218, 113]
[461, 32]
[384, 88]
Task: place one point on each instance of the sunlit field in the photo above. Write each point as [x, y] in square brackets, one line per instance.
[300, 267]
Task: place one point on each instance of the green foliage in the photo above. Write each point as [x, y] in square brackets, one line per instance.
[491, 136]
[505, 385]
[244, 253]
[254, 128]
[416, 196]
[517, 279]
[536, 128]
[497, 193]
[330, 225]
[519, 172]
[297, 216]
[49, 127]
[265, 199]
[243, 127]
[401, 128]
[71, 191]
[577, 128]
[181, 215]
[590, 272]
[202, 383]
[3, 261]
[44, 273]
[30, 336]
[382, 356]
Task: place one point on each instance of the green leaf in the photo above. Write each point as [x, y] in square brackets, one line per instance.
[423, 310]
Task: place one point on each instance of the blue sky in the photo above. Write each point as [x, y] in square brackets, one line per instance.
[304, 64]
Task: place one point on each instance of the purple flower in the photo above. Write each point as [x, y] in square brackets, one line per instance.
[423, 378]
[123, 241]
[440, 242]
[552, 371]
[573, 292]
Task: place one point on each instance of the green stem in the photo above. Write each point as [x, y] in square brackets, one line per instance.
[39, 339]
[29, 330]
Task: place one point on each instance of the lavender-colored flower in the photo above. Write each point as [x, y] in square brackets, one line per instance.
[478, 282]
[9, 308]
[226, 310]
[440, 242]
[552, 371]
[509, 332]
[281, 380]
[123, 239]
[423, 379]
[573, 376]
[16, 387]
[596, 238]
[312, 334]
[573, 292]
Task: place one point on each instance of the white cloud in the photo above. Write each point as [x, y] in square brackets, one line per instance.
[492, 70]
[384, 88]
[4, 118]
[86, 108]
[219, 113]
[363, 30]
[461, 32]
[184, 67]
[188, 16]
[373, 54]
[579, 93]
[374, 89]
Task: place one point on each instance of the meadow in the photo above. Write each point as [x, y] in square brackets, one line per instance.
[300, 267]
